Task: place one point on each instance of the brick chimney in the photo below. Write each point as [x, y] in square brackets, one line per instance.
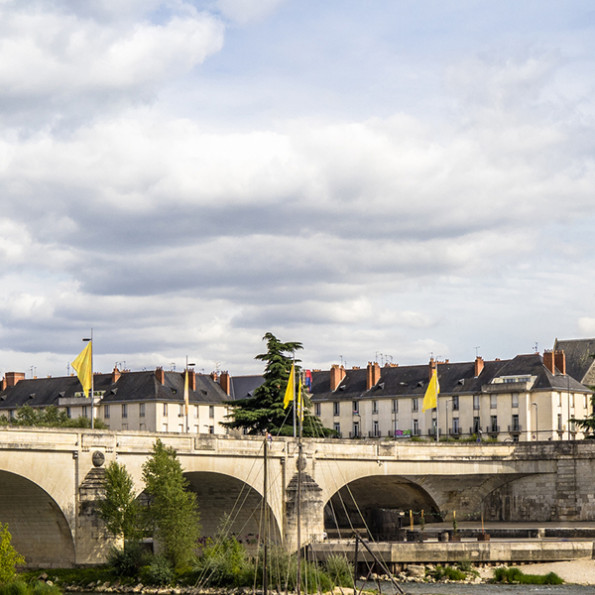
[116, 374]
[373, 375]
[479, 363]
[225, 382]
[560, 361]
[548, 361]
[12, 378]
[191, 379]
[160, 375]
[337, 374]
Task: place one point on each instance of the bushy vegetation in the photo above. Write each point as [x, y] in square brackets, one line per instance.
[48, 417]
[516, 576]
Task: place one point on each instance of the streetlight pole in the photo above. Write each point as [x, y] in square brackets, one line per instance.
[536, 420]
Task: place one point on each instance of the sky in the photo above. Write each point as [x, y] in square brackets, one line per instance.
[381, 180]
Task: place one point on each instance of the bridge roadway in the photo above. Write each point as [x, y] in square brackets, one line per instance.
[50, 480]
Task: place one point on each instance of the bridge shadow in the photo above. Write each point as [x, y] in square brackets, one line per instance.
[39, 529]
[363, 502]
[223, 499]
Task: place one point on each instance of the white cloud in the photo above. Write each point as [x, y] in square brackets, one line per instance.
[246, 11]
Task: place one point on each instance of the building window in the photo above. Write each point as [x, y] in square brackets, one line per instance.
[336, 408]
[211, 429]
[142, 427]
[317, 409]
[196, 411]
[414, 405]
[164, 408]
[559, 422]
[515, 400]
[141, 410]
[476, 425]
[355, 433]
[355, 406]
[455, 403]
[493, 401]
[211, 412]
[337, 427]
[415, 427]
[493, 423]
[180, 410]
[69, 412]
[395, 406]
[85, 411]
[515, 423]
[105, 411]
[559, 399]
[476, 402]
[572, 400]
[375, 429]
[124, 410]
[374, 408]
[455, 426]
[585, 402]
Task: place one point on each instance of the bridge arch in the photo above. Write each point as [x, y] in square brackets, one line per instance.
[39, 528]
[374, 499]
[223, 497]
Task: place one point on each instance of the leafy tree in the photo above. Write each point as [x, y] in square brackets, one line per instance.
[264, 410]
[172, 511]
[119, 508]
[50, 417]
[9, 557]
[588, 423]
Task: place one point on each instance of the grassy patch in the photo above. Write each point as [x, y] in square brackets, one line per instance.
[516, 576]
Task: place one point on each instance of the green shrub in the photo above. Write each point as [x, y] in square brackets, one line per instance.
[42, 588]
[15, 587]
[127, 562]
[516, 576]
[447, 572]
[339, 570]
[9, 557]
[225, 563]
[158, 572]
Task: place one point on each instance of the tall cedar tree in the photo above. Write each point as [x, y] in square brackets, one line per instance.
[172, 510]
[119, 508]
[264, 410]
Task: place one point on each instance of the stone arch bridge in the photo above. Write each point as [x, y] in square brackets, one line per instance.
[50, 480]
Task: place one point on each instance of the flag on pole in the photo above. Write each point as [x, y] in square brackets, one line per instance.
[186, 393]
[300, 400]
[290, 388]
[431, 396]
[83, 366]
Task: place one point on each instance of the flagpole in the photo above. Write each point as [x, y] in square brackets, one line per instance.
[91, 389]
[437, 416]
[293, 393]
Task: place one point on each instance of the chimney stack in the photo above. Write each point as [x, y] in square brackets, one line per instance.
[337, 374]
[548, 361]
[116, 374]
[225, 382]
[191, 379]
[160, 375]
[433, 364]
[373, 375]
[479, 363]
[12, 379]
[560, 361]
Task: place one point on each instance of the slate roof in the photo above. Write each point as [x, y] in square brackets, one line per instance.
[242, 387]
[455, 378]
[144, 386]
[131, 386]
[43, 392]
[580, 357]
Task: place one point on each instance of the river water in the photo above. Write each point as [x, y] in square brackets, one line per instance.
[482, 589]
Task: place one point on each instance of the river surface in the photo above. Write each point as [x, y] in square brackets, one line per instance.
[482, 589]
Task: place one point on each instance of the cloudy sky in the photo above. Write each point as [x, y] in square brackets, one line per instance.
[378, 179]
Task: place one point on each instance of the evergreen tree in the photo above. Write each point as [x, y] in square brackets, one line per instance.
[264, 410]
[119, 508]
[172, 510]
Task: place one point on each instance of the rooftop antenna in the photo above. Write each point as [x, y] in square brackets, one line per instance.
[173, 366]
[217, 366]
[536, 347]
[341, 359]
[477, 351]
[68, 369]
[33, 371]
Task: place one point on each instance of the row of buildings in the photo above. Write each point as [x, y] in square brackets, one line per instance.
[528, 397]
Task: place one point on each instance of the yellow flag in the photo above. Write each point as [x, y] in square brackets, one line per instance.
[432, 391]
[300, 401]
[83, 366]
[186, 392]
[290, 388]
